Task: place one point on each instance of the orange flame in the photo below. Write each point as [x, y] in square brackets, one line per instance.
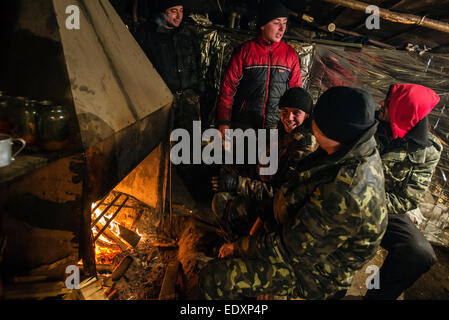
[105, 255]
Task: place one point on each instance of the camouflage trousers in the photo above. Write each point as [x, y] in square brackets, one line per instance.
[238, 278]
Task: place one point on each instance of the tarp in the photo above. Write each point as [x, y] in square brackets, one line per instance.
[369, 68]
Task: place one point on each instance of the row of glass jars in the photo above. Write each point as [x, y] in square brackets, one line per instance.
[39, 123]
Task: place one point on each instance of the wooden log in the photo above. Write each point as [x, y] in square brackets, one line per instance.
[129, 236]
[163, 245]
[101, 268]
[394, 16]
[108, 233]
[122, 267]
[169, 283]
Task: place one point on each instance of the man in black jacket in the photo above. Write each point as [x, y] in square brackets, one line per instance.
[174, 51]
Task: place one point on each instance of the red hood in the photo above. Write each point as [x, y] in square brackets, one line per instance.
[409, 103]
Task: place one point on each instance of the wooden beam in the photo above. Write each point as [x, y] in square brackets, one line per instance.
[169, 283]
[394, 16]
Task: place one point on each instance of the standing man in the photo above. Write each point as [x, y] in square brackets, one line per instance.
[409, 154]
[174, 51]
[331, 213]
[258, 74]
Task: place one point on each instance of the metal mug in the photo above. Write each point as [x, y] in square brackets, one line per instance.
[6, 142]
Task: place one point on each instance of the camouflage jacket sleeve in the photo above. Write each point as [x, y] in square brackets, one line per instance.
[254, 189]
[407, 182]
[313, 231]
[292, 149]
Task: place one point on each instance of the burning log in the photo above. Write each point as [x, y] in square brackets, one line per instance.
[129, 236]
[123, 266]
[104, 228]
[108, 233]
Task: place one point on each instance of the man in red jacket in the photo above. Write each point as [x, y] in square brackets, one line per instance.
[258, 74]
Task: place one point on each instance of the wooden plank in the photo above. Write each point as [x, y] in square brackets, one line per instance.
[169, 283]
[39, 290]
[92, 289]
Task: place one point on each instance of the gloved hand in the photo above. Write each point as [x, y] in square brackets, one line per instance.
[226, 182]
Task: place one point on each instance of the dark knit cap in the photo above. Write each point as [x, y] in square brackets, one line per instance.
[170, 3]
[270, 10]
[343, 114]
[297, 98]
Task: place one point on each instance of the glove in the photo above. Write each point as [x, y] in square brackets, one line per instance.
[226, 182]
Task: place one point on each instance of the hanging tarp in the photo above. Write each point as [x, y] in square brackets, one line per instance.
[369, 68]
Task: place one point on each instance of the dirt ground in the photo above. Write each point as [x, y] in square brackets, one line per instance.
[434, 285]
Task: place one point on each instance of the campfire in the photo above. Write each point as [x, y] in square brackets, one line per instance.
[110, 233]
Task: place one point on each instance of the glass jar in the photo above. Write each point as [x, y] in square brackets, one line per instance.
[26, 115]
[53, 127]
[5, 125]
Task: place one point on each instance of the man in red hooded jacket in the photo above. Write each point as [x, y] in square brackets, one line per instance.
[258, 74]
[410, 153]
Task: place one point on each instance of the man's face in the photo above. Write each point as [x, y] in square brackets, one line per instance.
[274, 30]
[292, 118]
[174, 16]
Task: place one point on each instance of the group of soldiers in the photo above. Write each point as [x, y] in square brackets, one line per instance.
[346, 178]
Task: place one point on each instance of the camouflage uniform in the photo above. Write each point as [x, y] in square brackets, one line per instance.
[407, 171]
[240, 210]
[336, 218]
[293, 147]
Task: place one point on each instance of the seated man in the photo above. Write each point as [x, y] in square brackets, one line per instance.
[409, 155]
[295, 143]
[331, 212]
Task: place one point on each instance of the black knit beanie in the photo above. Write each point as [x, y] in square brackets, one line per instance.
[170, 3]
[270, 10]
[297, 98]
[343, 114]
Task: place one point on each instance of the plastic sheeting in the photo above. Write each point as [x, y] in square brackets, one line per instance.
[374, 70]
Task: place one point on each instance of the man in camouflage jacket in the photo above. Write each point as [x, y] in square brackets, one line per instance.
[409, 154]
[236, 202]
[331, 212]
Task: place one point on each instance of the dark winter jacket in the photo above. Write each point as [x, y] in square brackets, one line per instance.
[174, 53]
[257, 76]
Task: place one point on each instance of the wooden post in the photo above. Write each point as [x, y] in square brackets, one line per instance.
[394, 16]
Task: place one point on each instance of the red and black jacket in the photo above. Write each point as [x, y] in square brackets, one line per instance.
[257, 76]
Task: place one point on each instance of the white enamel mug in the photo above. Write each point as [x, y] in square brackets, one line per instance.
[6, 142]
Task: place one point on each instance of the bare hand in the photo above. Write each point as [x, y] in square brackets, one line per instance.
[222, 128]
[226, 250]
